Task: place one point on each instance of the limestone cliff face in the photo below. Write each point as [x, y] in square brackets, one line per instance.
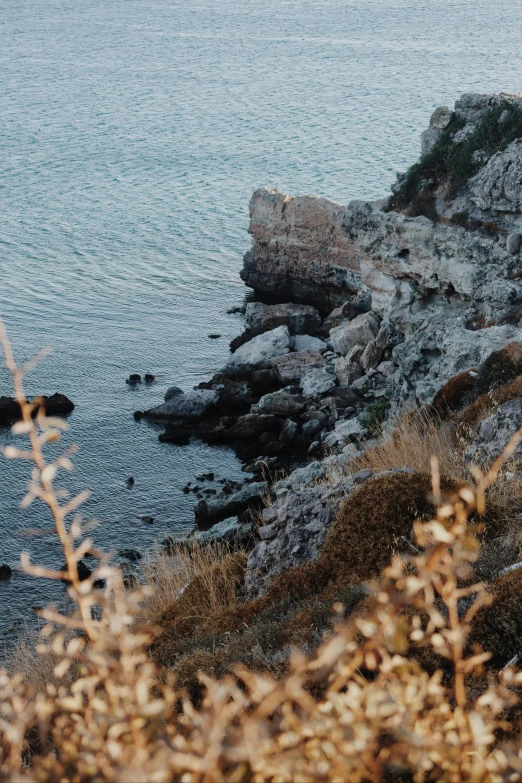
[435, 281]
[301, 250]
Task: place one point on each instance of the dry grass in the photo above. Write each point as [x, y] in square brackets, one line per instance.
[416, 439]
[37, 670]
[170, 574]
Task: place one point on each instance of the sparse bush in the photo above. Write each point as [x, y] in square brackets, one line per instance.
[374, 417]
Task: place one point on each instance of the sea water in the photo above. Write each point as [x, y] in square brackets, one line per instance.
[133, 133]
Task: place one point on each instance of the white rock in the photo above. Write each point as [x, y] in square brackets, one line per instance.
[359, 331]
[305, 342]
[347, 371]
[259, 352]
[317, 381]
[291, 367]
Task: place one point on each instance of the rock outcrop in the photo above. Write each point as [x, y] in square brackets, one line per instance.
[447, 284]
[55, 405]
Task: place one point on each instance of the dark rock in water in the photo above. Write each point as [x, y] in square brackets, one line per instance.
[185, 490]
[236, 310]
[147, 520]
[130, 554]
[5, 572]
[55, 405]
[209, 492]
[207, 512]
[130, 481]
[205, 477]
[214, 336]
[149, 378]
[84, 572]
[133, 379]
[138, 415]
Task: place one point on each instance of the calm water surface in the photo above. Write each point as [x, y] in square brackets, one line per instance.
[133, 133]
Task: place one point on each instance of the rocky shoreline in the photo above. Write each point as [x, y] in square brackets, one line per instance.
[364, 311]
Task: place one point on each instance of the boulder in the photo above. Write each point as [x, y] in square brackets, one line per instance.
[280, 404]
[317, 381]
[305, 342]
[172, 391]
[191, 406]
[311, 428]
[291, 367]
[299, 318]
[55, 405]
[359, 331]
[355, 305]
[347, 371]
[258, 353]
[207, 512]
[344, 432]
[429, 138]
[514, 243]
[441, 117]
[372, 354]
[5, 572]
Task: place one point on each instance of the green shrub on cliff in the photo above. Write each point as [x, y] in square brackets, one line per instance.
[455, 162]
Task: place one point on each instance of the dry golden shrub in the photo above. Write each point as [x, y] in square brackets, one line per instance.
[378, 715]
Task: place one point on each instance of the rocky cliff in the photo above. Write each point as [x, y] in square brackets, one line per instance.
[413, 302]
[438, 260]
